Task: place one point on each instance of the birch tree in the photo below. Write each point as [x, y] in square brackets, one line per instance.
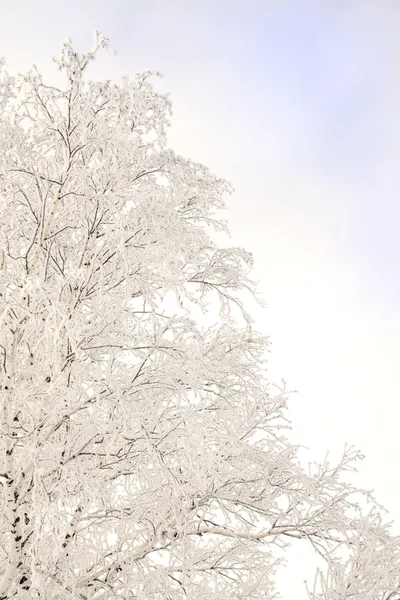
[142, 448]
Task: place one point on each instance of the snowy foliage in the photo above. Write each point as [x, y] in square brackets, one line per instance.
[142, 452]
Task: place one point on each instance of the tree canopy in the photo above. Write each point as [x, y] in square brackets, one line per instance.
[142, 447]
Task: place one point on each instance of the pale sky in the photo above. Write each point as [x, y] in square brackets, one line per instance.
[297, 103]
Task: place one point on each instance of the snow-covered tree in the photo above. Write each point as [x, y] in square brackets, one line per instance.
[142, 451]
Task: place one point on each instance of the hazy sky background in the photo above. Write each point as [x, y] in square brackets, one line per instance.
[297, 103]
